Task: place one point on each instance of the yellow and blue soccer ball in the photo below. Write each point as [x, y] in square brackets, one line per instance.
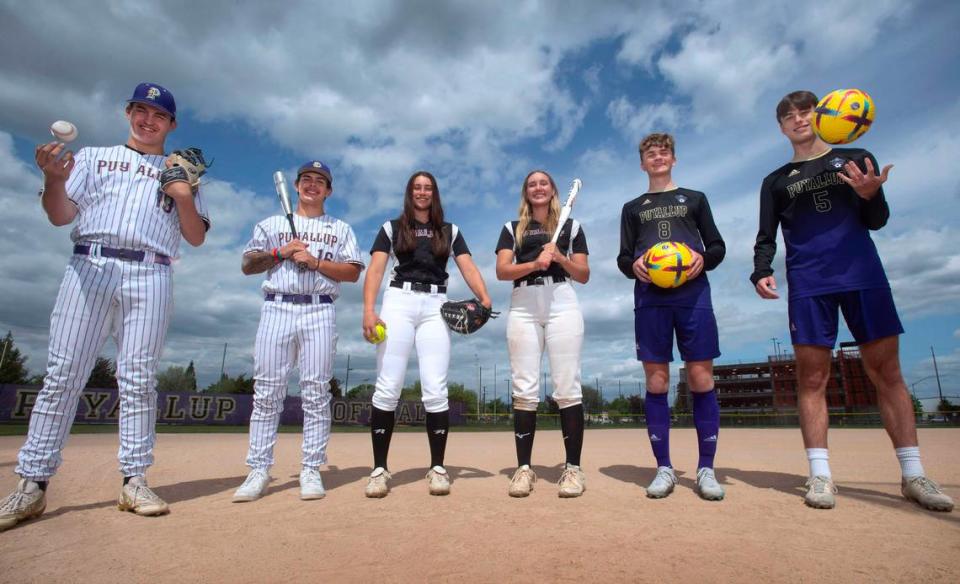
[668, 263]
[843, 115]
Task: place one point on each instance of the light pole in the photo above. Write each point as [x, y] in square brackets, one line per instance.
[937, 373]
[346, 381]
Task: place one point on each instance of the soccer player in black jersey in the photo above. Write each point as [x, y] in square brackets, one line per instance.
[421, 242]
[667, 212]
[544, 314]
[827, 200]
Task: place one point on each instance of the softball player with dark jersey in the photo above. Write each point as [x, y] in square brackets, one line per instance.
[828, 200]
[420, 242]
[544, 311]
[298, 325]
[126, 231]
[670, 213]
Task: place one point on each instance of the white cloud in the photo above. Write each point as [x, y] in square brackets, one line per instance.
[636, 121]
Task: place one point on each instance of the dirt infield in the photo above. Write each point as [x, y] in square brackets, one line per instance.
[762, 531]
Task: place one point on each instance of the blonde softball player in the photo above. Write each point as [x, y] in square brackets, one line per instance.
[298, 325]
[128, 215]
[544, 312]
[420, 241]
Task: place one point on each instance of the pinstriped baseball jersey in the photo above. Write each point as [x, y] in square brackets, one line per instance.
[326, 238]
[116, 190]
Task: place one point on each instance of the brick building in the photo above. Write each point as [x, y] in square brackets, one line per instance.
[771, 385]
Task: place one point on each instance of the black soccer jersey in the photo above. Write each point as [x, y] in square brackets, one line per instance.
[572, 240]
[419, 265]
[676, 215]
[826, 226]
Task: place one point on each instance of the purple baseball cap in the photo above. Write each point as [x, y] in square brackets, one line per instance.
[317, 167]
[155, 95]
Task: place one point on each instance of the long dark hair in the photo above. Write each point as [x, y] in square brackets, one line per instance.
[406, 238]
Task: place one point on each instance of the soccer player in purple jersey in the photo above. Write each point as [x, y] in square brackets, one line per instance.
[667, 212]
[827, 200]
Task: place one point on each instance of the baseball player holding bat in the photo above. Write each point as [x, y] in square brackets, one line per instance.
[421, 242]
[667, 212]
[129, 206]
[298, 325]
[541, 253]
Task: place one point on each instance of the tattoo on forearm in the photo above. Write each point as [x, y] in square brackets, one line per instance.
[257, 262]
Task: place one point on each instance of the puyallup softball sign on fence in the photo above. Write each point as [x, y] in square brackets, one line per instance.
[102, 406]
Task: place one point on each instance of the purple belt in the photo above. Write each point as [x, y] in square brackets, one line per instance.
[127, 255]
[299, 298]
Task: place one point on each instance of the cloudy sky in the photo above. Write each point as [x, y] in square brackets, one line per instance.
[480, 93]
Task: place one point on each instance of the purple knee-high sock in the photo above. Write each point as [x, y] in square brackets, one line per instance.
[658, 426]
[706, 417]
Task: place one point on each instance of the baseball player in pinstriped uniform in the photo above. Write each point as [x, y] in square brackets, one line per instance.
[298, 324]
[544, 311]
[420, 242]
[118, 283]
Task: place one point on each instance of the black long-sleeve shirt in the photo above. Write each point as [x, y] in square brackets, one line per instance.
[826, 226]
[677, 215]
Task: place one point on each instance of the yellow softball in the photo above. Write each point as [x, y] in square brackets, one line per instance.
[379, 334]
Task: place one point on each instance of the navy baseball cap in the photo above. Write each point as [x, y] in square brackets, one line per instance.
[317, 167]
[155, 95]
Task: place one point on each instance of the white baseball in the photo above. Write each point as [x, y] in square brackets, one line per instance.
[63, 131]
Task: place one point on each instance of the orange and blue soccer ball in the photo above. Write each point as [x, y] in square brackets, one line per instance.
[843, 115]
[668, 263]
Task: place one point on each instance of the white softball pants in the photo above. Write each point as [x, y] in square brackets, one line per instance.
[545, 315]
[413, 319]
[305, 335]
[101, 297]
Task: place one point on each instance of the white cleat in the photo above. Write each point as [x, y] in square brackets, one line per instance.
[663, 483]
[27, 501]
[820, 493]
[136, 497]
[707, 485]
[572, 482]
[926, 493]
[377, 486]
[521, 485]
[254, 487]
[438, 480]
[311, 485]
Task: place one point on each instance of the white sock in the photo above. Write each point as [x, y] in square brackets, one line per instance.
[909, 458]
[819, 462]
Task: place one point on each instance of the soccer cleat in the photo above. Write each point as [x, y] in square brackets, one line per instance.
[136, 497]
[572, 482]
[663, 483]
[27, 501]
[438, 480]
[377, 486]
[254, 487]
[820, 493]
[311, 485]
[521, 485]
[707, 485]
[926, 493]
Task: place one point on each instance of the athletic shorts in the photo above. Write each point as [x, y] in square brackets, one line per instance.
[870, 315]
[696, 330]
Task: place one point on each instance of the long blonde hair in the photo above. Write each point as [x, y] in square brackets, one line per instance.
[526, 212]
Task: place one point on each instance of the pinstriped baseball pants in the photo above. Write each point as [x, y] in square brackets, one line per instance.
[101, 297]
[289, 334]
